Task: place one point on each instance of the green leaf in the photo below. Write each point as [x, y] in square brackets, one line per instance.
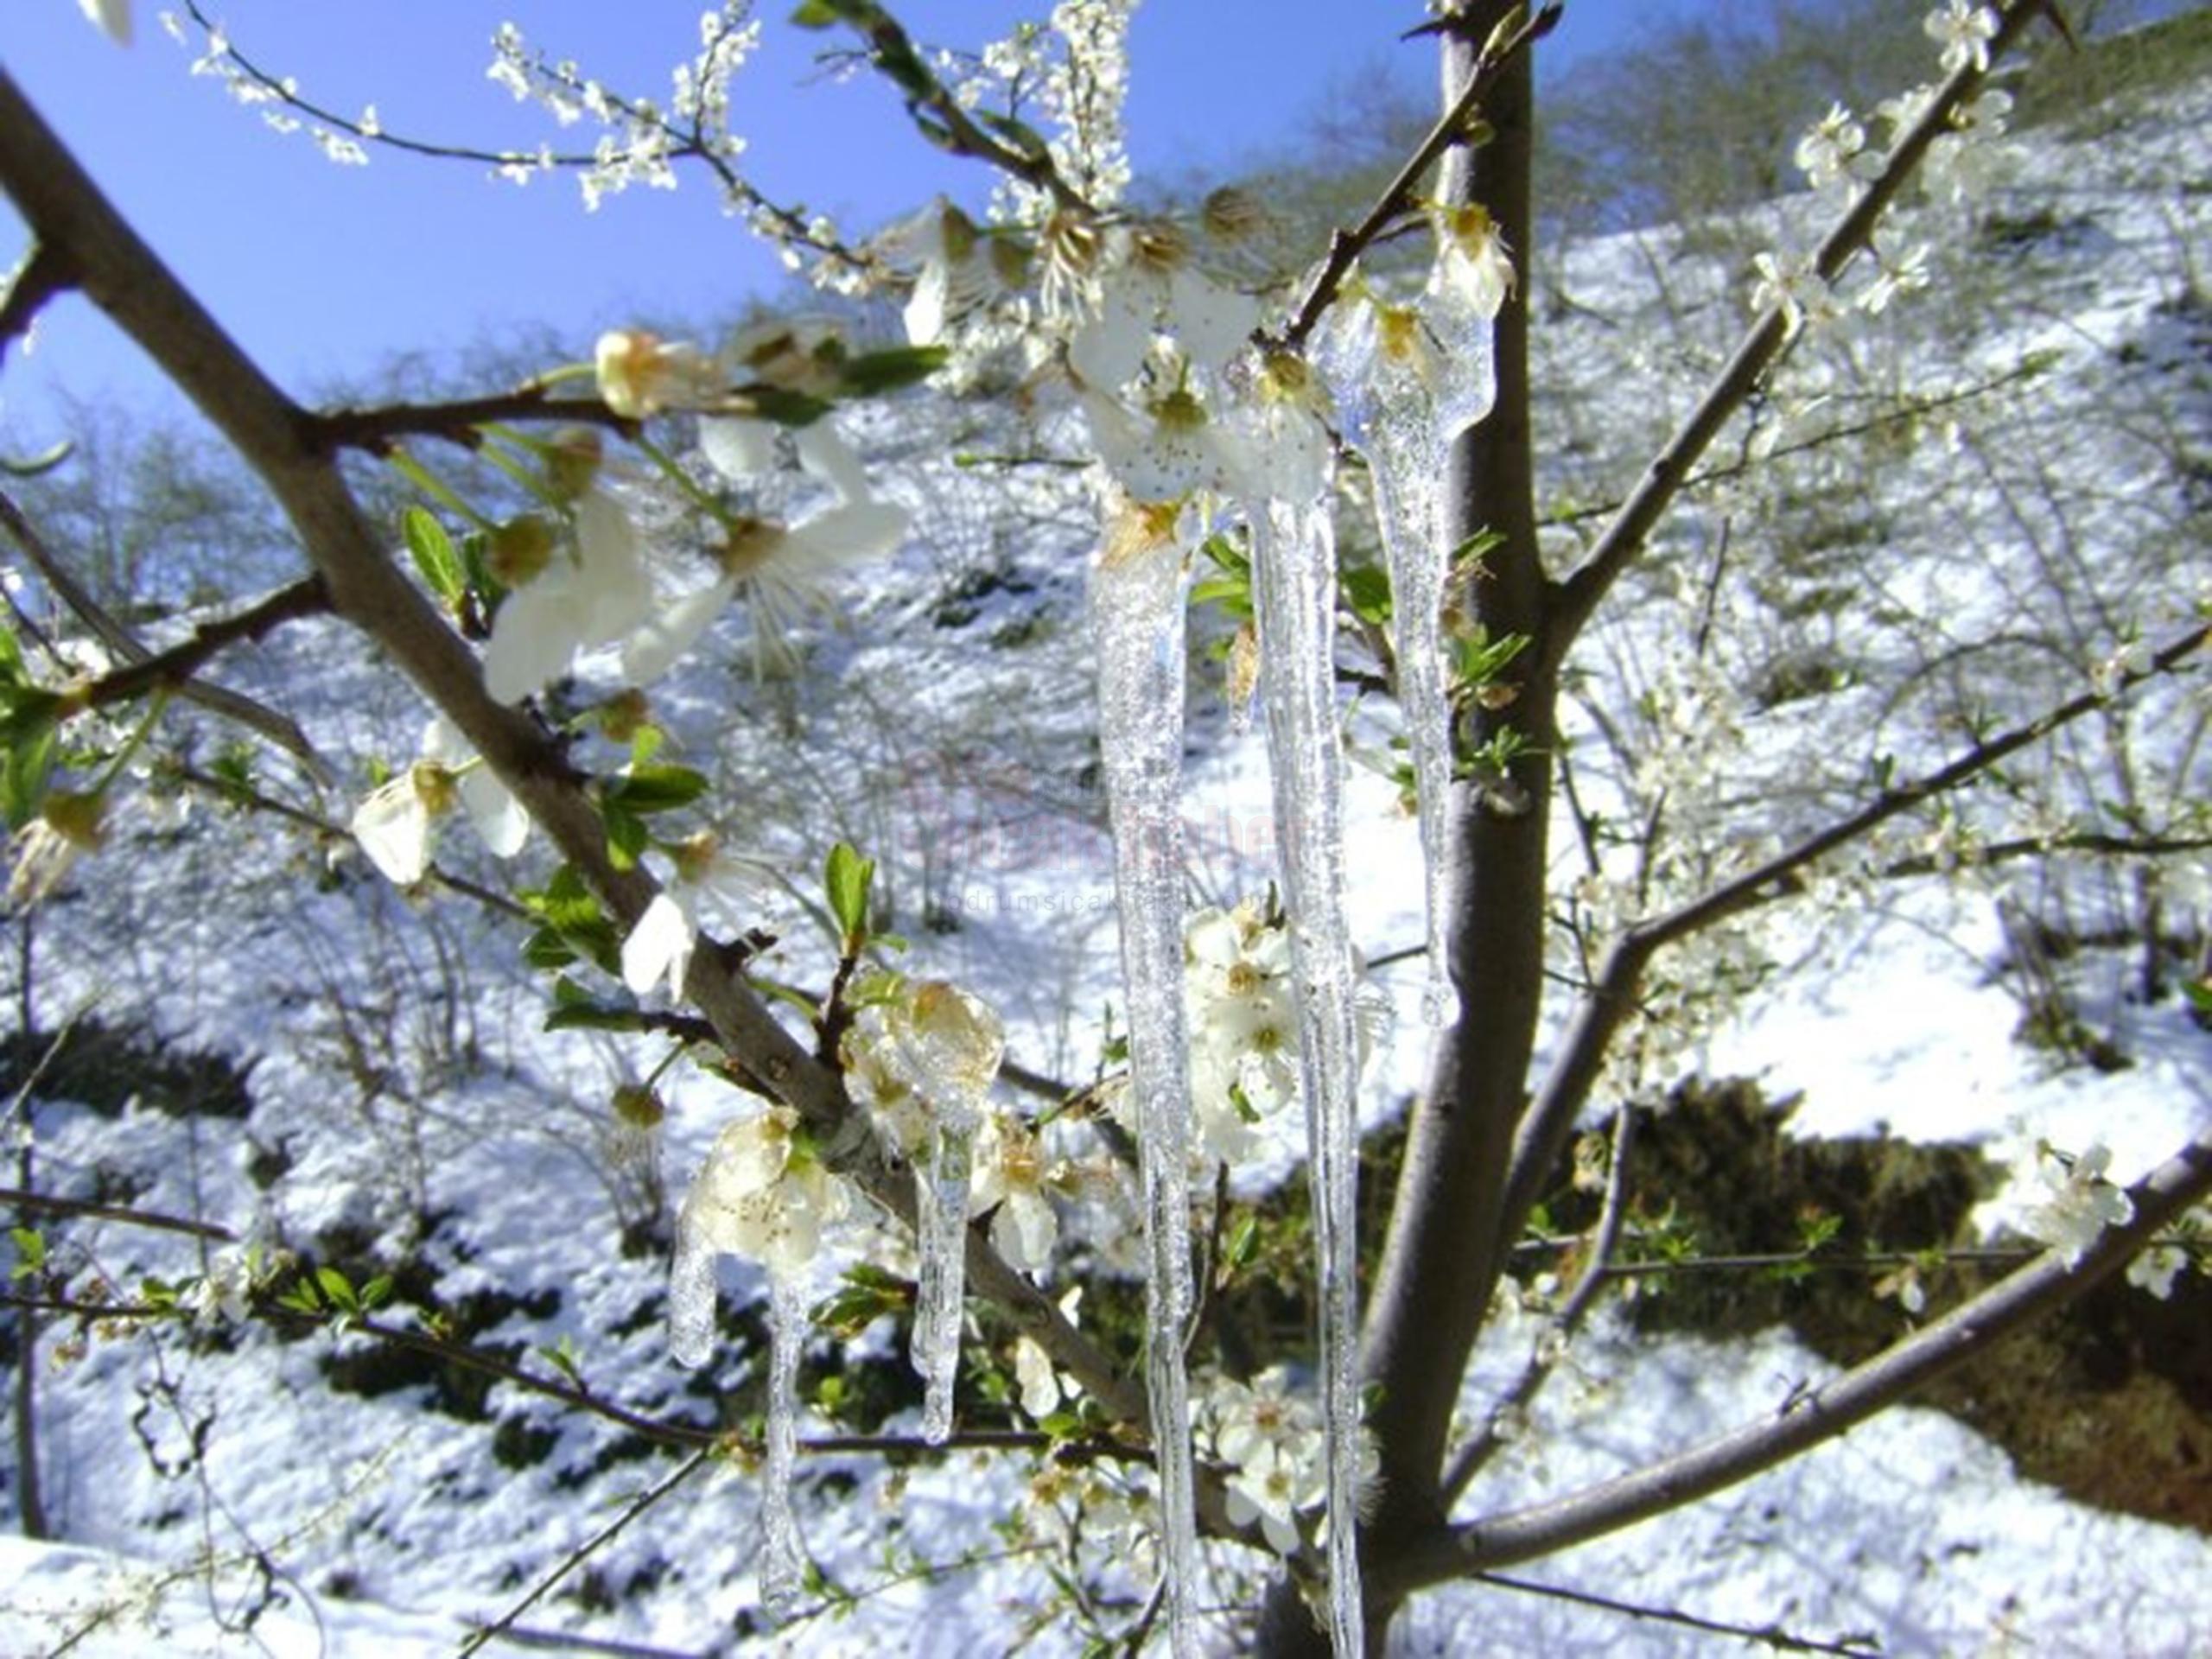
[888, 371]
[26, 769]
[434, 554]
[35, 465]
[302, 1299]
[627, 835]
[2200, 996]
[816, 14]
[1367, 592]
[30, 1251]
[335, 1286]
[644, 790]
[1243, 1244]
[784, 407]
[846, 880]
[376, 1292]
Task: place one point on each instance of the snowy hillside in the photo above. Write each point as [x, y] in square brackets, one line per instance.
[1982, 501]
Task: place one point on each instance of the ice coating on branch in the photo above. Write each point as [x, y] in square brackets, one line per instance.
[783, 1558]
[1293, 562]
[1137, 624]
[941, 1047]
[1409, 380]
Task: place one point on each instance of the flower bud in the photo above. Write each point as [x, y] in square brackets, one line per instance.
[519, 549]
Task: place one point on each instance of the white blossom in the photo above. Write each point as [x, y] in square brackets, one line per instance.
[761, 1195]
[2079, 1202]
[1473, 265]
[2156, 1270]
[1835, 150]
[1013, 1175]
[393, 825]
[1964, 30]
[706, 877]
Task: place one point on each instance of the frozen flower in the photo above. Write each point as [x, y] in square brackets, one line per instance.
[393, 824]
[1012, 1173]
[779, 567]
[761, 1194]
[1835, 150]
[591, 592]
[1164, 450]
[1964, 31]
[2156, 1269]
[1148, 286]
[113, 15]
[69, 824]
[2079, 1204]
[1280, 447]
[705, 877]
[1244, 1025]
[961, 270]
[916, 1052]
[1473, 265]
[639, 373]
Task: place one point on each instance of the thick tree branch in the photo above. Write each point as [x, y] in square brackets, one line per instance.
[1673, 466]
[1819, 1415]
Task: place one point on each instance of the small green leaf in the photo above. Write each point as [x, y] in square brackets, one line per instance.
[645, 790]
[846, 880]
[627, 835]
[1243, 1244]
[816, 14]
[877, 373]
[30, 1251]
[376, 1292]
[335, 1286]
[1367, 592]
[434, 554]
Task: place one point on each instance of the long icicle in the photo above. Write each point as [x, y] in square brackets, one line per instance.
[783, 1558]
[1137, 625]
[1402, 408]
[1294, 563]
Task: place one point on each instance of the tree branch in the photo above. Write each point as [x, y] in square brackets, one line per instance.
[1544, 1133]
[1672, 467]
[40, 276]
[216, 699]
[1346, 246]
[173, 670]
[459, 420]
[282, 443]
[1819, 1414]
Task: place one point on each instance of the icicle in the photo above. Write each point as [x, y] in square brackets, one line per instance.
[691, 1296]
[1295, 574]
[1136, 603]
[783, 1558]
[942, 1228]
[947, 1046]
[1403, 408]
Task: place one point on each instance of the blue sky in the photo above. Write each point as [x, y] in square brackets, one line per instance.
[325, 272]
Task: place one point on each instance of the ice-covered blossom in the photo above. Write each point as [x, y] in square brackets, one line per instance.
[1964, 30]
[1163, 448]
[958, 269]
[706, 877]
[762, 1194]
[913, 1050]
[782, 569]
[1014, 1175]
[113, 15]
[1243, 1022]
[593, 591]
[393, 825]
[1148, 284]
[2078, 1202]
[1473, 265]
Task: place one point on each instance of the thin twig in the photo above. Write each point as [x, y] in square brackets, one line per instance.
[173, 670]
[1769, 1635]
[128, 1217]
[40, 276]
[584, 1551]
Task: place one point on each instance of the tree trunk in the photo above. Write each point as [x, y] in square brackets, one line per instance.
[1443, 1252]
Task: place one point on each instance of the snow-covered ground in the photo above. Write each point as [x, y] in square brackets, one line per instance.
[411, 1108]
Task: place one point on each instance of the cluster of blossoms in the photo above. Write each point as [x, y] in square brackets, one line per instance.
[2076, 1204]
[1274, 1443]
[1837, 156]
